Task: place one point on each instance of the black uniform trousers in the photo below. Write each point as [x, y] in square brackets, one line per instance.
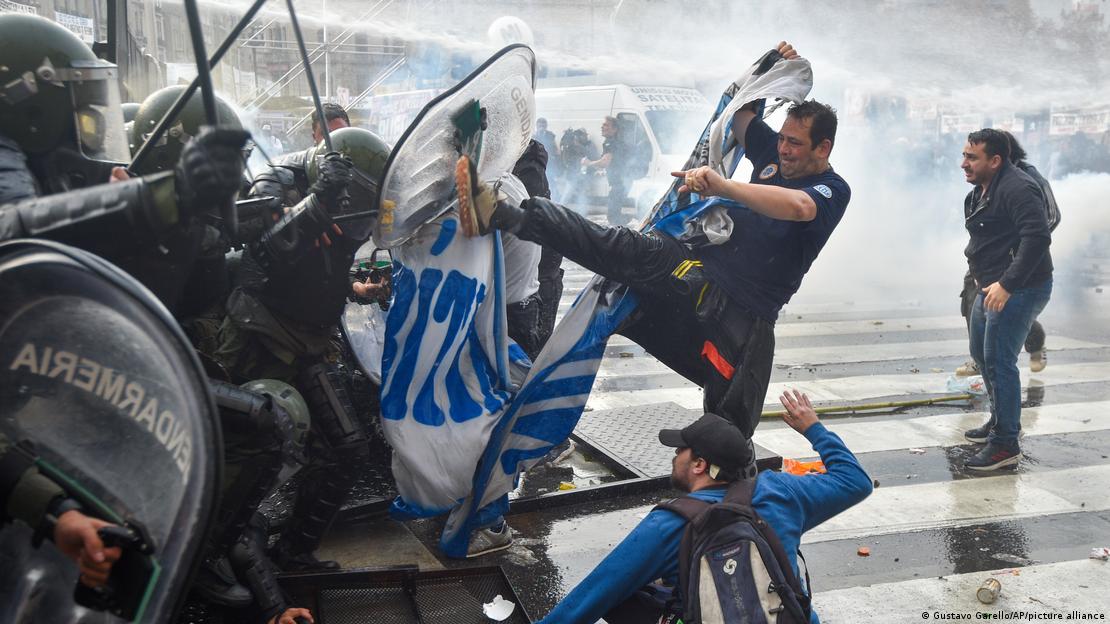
[686, 322]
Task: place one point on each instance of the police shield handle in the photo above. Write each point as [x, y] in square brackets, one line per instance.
[75, 535]
[123, 591]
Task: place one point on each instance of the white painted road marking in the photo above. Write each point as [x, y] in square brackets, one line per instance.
[1058, 588]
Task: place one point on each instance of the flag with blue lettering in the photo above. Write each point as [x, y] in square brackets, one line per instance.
[544, 412]
[462, 407]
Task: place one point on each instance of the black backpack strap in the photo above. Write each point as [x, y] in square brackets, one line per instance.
[740, 492]
[690, 509]
[784, 564]
[804, 597]
[685, 506]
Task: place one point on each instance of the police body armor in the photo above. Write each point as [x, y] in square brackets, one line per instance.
[317, 277]
[103, 390]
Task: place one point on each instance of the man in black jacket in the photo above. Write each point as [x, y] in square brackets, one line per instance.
[1034, 342]
[1009, 259]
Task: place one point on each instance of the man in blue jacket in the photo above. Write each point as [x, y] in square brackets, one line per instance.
[1008, 257]
[710, 454]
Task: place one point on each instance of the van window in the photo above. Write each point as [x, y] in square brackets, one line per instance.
[634, 135]
[676, 131]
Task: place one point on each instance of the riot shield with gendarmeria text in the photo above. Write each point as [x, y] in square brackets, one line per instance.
[103, 392]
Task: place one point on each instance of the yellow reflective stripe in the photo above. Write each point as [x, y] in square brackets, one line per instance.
[701, 294]
[684, 267]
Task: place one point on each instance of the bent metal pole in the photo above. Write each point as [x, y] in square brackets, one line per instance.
[182, 99]
[308, 74]
[208, 95]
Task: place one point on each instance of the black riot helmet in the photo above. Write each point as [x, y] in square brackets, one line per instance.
[55, 93]
[369, 153]
[166, 152]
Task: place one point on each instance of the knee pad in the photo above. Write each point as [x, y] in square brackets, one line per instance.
[333, 415]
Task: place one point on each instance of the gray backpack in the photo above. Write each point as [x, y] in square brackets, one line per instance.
[732, 567]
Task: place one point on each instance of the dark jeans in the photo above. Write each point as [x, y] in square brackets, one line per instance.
[523, 319]
[1033, 342]
[996, 339]
[678, 320]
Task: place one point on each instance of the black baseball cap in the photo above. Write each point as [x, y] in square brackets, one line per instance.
[716, 440]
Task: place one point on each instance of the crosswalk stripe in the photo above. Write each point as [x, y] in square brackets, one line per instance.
[970, 501]
[815, 356]
[838, 328]
[1058, 588]
[854, 388]
[879, 332]
[940, 430]
[884, 352]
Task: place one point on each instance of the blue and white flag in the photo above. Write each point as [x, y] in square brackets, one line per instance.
[463, 418]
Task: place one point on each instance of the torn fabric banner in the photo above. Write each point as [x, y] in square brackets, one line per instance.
[545, 410]
[462, 410]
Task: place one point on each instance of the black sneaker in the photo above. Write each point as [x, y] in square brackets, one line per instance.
[993, 457]
[979, 434]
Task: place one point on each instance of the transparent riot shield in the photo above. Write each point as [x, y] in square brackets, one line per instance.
[102, 389]
[418, 180]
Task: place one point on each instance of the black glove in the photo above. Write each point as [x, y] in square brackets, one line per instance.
[335, 173]
[210, 170]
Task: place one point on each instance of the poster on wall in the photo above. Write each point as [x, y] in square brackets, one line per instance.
[7, 6]
[83, 27]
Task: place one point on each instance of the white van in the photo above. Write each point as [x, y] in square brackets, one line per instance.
[665, 120]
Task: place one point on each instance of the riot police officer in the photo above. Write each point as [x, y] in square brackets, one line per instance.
[61, 136]
[199, 247]
[281, 322]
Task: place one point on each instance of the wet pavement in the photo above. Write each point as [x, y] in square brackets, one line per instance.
[934, 530]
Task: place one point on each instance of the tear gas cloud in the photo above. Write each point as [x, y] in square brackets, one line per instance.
[902, 237]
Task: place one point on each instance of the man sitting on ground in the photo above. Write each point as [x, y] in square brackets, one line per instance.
[709, 455]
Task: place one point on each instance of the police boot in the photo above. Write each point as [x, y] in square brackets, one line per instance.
[248, 558]
[216, 583]
[290, 558]
[319, 498]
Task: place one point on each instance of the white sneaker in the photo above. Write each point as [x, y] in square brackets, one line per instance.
[1037, 361]
[968, 370]
[490, 540]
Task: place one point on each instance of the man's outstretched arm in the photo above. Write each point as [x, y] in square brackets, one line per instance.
[648, 553]
[845, 484]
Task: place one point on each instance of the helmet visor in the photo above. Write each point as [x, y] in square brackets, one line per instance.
[97, 111]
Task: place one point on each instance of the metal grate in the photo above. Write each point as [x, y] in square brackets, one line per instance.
[387, 605]
[630, 436]
[403, 596]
